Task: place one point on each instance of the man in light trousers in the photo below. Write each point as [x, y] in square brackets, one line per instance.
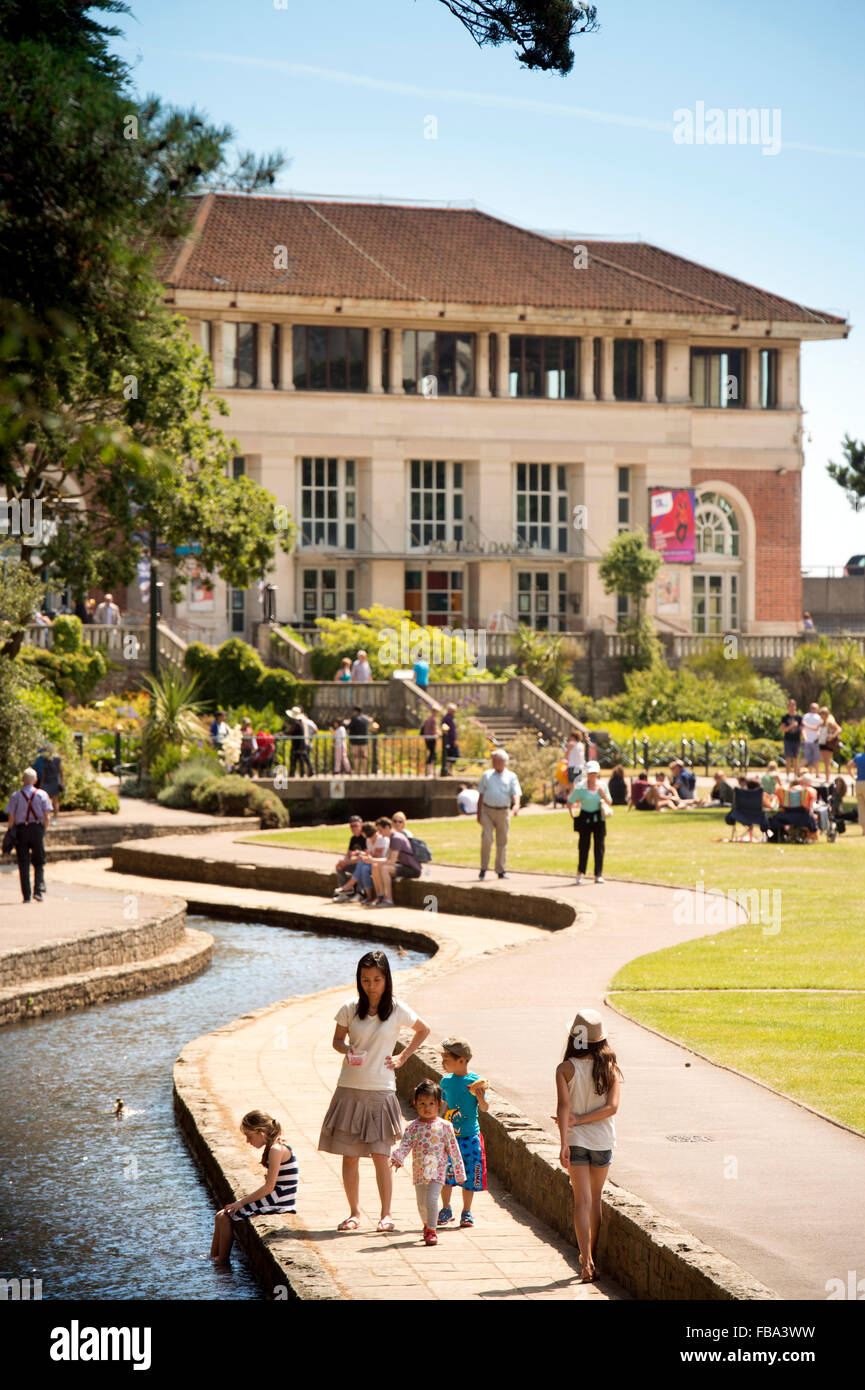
[499, 795]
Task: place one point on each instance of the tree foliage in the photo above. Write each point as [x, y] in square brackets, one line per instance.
[832, 673]
[629, 566]
[541, 32]
[850, 475]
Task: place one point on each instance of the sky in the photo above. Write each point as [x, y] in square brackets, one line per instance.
[346, 90]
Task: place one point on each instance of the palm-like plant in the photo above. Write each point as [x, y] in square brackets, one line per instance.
[175, 713]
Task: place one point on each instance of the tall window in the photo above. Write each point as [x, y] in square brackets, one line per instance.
[717, 526]
[438, 364]
[627, 369]
[237, 610]
[239, 354]
[718, 377]
[206, 336]
[542, 506]
[769, 378]
[238, 466]
[714, 603]
[494, 362]
[435, 597]
[435, 502]
[328, 502]
[624, 499]
[597, 367]
[329, 359]
[385, 359]
[545, 367]
[542, 599]
[659, 369]
[275, 336]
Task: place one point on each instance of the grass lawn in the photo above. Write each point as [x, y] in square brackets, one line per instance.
[808, 1045]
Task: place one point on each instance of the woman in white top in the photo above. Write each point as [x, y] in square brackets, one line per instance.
[588, 1082]
[576, 755]
[363, 1119]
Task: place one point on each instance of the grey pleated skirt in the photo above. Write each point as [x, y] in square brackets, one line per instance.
[361, 1123]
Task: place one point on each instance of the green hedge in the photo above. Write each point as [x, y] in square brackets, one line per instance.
[234, 676]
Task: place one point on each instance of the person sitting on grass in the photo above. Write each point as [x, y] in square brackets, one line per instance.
[721, 791]
[771, 784]
[684, 783]
[660, 796]
[278, 1192]
[795, 812]
[617, 786]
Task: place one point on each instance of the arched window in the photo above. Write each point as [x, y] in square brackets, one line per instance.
[717, 526]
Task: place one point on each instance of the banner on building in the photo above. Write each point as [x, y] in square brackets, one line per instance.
[202, 598]
[672, 532]
[667, 593]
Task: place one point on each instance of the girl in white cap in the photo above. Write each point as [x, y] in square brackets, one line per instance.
[588, 1082]
[589, 819]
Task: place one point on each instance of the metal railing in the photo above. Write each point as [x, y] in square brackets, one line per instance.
[125, 643]
[646, 753]
[383, 755]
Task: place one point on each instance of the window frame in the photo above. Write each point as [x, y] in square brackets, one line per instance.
[301, 357]
[452, 493]
[565, 344]
[708, 354]
[411, 346]
[557, 519]
[344, 490]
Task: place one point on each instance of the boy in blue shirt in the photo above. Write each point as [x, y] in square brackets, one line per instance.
[463, 1095]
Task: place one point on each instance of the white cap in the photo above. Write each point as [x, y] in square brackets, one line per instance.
[592, 766]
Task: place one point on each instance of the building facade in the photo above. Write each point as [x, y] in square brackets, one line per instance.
[460, 414]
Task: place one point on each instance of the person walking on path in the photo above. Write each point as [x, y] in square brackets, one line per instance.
[49, 776]
[450, 747]
[29, 813]
[588, 1084]
[576, 755]
[430, 732]
[433, 1146]
[791, 728]
[363, 1119]
[464, 1094]
[856, 768]
[829, 739]
[361, 671]
[499, 795]
[589, 820]
[276, 1195]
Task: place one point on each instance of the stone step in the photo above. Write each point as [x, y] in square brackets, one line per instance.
[59, 993]
[129, 942]
[106, 834]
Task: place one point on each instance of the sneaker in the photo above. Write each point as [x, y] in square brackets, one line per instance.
[37, 897]
[504, 875]
[429, 1236]
[444, 1216]
[598, 878]
[580, 879]
[466, 1220]
[482, 874]
[384, 902]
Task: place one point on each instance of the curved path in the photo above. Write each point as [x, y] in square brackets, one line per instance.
[773, 1187]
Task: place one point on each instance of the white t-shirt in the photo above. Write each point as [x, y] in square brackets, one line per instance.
[377, 1040]
[811, 725]
[468, 801]
[339, 737]
[596, 1134]
[577, 757]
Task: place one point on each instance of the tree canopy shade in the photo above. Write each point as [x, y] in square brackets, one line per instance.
[851, 474]
[541, 31]
[105, 411]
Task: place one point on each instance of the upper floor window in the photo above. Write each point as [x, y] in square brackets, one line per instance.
[435, 502]
[546, 367]
[542, 506]
[438, 364]
[624, 499]
[627, 369]
[717, 526]
[239, 354]
[328, 502]
[329, 359]
[659, 369]
[718, 377]
[769, 378]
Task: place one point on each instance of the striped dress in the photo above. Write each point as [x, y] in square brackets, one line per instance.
[283, 1197]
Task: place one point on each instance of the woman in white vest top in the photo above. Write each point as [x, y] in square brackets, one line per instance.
[588, 1082]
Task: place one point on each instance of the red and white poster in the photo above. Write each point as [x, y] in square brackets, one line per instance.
[671, 512]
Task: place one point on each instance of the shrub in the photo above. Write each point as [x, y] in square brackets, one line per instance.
[533, 763]
[833, 674]
[164, 763]
[83, 792]
[71, 673]
[235, 677]
[272, 812]
[236, 796]
[378, 632]
[181, 785]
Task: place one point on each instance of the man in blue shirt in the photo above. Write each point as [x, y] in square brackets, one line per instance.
[685, 783]
[856, 768]
[421, 673]
[499, 798]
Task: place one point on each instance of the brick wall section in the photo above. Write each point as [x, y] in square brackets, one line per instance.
[776, 502]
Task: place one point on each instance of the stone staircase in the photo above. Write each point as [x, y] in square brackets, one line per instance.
[502, 728]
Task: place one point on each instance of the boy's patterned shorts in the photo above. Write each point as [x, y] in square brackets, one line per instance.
[475, 1163]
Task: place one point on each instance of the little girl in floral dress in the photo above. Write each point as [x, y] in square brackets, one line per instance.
[431, 1141]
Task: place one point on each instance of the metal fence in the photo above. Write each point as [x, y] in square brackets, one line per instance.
[645, 753]
[382, 755]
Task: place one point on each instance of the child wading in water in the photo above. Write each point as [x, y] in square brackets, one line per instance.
[277, 1194]
[464, 1094]
[588, 1082]
[433, 1145]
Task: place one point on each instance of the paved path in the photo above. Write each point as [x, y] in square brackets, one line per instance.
[794, 1213]
[70, 909]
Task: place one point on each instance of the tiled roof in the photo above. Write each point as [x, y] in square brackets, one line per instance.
[441, 255]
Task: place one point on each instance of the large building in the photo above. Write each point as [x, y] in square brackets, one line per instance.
[459, 415]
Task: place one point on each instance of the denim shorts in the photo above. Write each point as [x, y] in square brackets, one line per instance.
[595, 1158]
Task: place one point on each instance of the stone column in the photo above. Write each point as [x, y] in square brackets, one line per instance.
[373, 366]
[395, 386]
[216, 349]
[587, 368]
[193, 328]
[607, 369]
[503, 363]
[482, 365]
[286, 357]
[649, 369]
[752, 378]
[788, 378]
[677, 372]
[263, 332]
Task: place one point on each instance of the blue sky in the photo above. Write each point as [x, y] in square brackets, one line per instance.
[345, 91]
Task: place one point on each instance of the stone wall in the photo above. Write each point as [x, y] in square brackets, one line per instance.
[648, 1255]
[112, 946]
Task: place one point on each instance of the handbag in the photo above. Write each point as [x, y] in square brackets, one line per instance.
[606, 811]
[10, 839]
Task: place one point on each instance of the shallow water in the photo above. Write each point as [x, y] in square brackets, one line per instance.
[102, 1208]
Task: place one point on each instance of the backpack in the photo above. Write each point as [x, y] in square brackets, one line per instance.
[420, 849]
